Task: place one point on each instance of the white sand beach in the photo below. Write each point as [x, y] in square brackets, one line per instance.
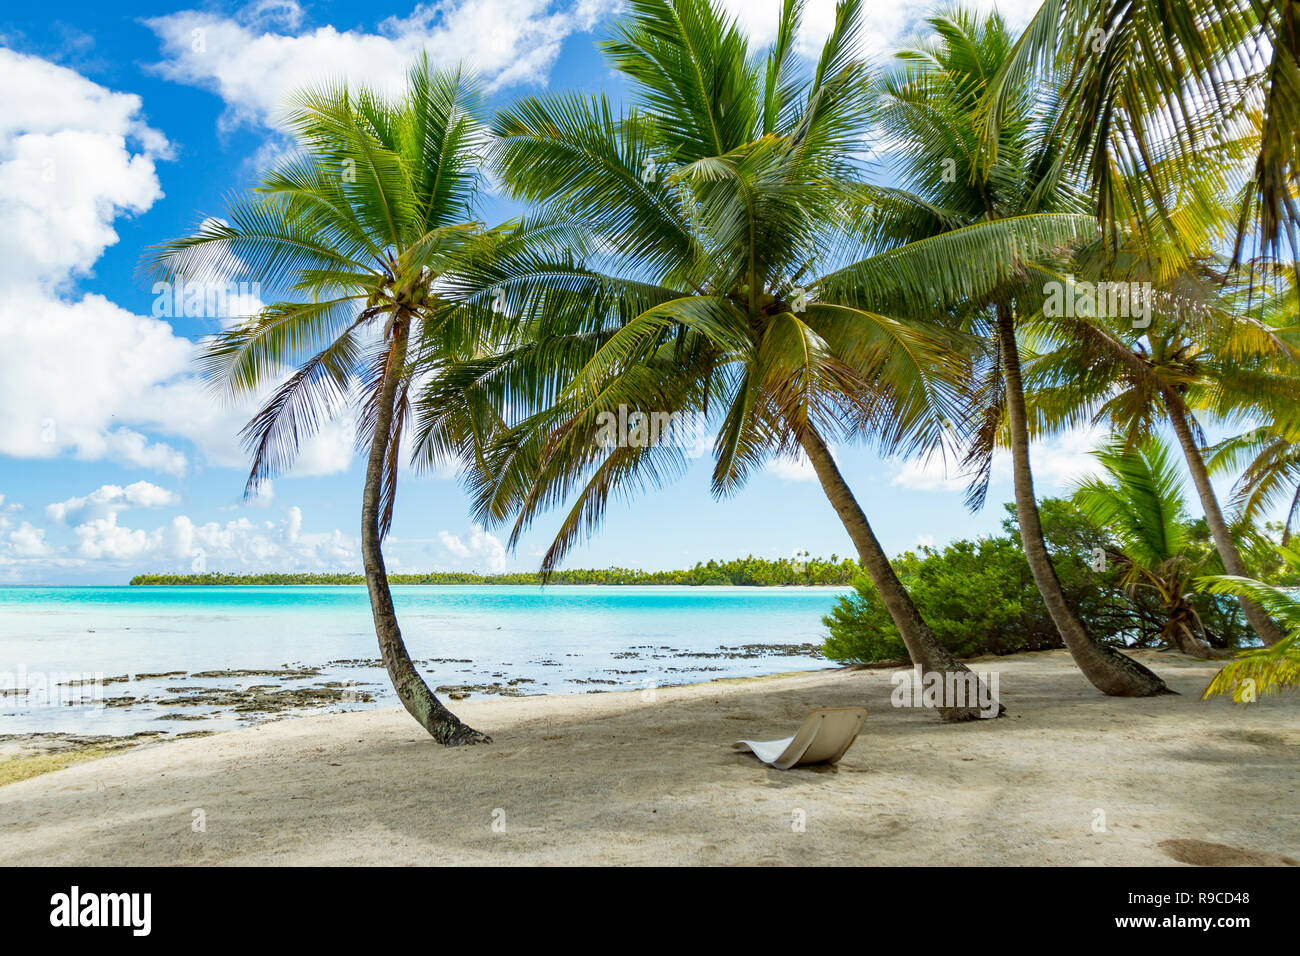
[614, 778]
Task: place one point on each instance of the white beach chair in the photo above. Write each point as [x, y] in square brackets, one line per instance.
[824, 737]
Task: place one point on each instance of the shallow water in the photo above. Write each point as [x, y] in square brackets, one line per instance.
[525, 639]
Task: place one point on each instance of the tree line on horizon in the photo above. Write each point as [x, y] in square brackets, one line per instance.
[723, 245]
[748, 571]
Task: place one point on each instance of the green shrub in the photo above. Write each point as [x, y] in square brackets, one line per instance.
[979, 597]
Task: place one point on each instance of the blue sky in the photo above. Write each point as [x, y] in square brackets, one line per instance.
[124, 125]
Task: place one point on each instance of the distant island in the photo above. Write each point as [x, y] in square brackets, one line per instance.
[740, 572]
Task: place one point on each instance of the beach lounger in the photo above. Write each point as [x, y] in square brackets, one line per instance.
[824, 737]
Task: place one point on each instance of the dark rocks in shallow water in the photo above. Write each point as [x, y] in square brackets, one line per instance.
[119, 679]
[269, 698]
[284, 673]
[461, 691]
[742, 652]
[250, 702]
[356, 662]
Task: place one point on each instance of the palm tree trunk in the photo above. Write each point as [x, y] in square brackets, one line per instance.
[1290, 517]
[1109, 671]
[1260, 622]
[413, 692]
[926, 652]
[1180, 631]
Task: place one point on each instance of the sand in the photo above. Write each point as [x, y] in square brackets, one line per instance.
[614, 778]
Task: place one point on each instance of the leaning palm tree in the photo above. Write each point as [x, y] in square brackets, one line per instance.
[1140, 502]
[361, 226]
[1200, 352]
[697, 254]
[1265, 669]
[1267, 457]
[931, 111]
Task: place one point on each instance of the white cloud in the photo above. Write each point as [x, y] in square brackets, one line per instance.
[792, 468]
[107, 500]
[480, 549]
[100, 540]
[72, 372]
[28, 541]
[74, 156]
[263, 494]
[1057, 462]
[929, 474]
[254, 62]
[242, 545]
[329, 451]
[129, 447]
[1062, 460]
[884, 24]
[293, 525]
[80, 375]
[104, 538]
[65, 168]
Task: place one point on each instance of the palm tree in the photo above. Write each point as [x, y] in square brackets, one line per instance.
[362, 225]
[1265, 669]
[931, 110]
[1200, 351]
[1142, 506]
[679, 264]
[1269, 462]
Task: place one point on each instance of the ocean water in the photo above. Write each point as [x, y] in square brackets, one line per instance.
[70, 657]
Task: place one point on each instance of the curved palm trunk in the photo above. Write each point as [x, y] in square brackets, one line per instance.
[411, 689]
[1181, 629]
[1260, 622]
[926, 652]
[1109, 671]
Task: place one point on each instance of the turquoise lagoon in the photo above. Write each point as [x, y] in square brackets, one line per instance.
[523, 639]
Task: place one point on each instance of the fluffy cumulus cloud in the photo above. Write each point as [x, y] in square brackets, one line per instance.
[257, 57]
[80, 375]
[66, 169]
[884, 24]
[74, 157]
[236, 545]
[791, 468]
[242, 544]
[479, 549]
[19, 539]
[108, 500]
[1058, 462]
[108, 531]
